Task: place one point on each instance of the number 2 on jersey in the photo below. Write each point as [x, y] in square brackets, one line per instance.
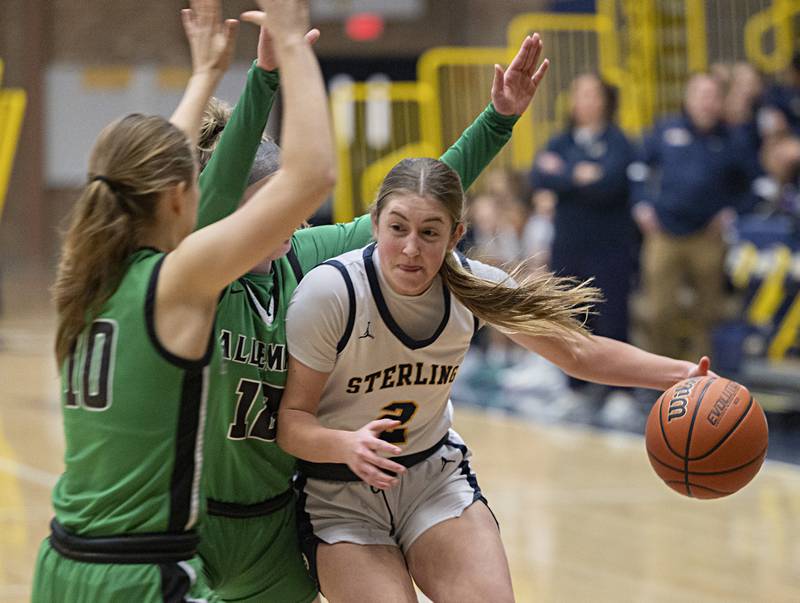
[265, 425]
[401, 411]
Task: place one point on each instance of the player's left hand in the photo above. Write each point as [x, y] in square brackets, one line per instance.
[513, 89]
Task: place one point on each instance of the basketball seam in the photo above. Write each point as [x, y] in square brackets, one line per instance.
[742, 466]
[663, 430]
[689, 435]
[730, 432]
[698, 486]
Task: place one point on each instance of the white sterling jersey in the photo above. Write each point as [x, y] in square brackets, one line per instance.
[381, 371]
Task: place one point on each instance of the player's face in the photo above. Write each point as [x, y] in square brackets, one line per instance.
[414, 234]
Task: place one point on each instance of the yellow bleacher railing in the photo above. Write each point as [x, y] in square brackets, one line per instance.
[349, 199]
[778, 18]
[12, 112]
[772, 291]
[787, 334]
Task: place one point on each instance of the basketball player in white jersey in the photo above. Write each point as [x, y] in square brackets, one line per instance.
[376, 337]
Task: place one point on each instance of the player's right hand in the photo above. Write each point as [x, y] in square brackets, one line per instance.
[366, 454]
[282, 17]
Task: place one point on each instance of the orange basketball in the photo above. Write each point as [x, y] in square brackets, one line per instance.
[706, 437]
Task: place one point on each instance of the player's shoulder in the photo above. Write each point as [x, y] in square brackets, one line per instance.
[330, 278]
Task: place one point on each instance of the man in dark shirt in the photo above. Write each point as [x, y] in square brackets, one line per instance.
[683, 194]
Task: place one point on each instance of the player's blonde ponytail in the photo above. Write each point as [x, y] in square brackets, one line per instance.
[540, 304]
[134, 160]
[215, 118]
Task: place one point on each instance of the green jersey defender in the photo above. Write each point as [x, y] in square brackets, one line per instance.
[249, 544]
[130, 498]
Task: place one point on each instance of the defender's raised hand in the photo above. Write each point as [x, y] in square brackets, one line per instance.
[513, 89]
[266, 53]
[281, 17]
[211, 41]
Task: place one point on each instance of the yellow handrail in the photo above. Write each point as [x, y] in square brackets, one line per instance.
[12, 112]
[772, 292]
[780, 16]
[786, 335]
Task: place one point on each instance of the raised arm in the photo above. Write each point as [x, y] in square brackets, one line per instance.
[513, 90]
[210, 258]
[211, 43]
[225, 178]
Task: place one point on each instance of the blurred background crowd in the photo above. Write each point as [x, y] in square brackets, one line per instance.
[652, 221]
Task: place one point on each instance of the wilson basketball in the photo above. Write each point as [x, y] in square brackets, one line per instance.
[706, 437]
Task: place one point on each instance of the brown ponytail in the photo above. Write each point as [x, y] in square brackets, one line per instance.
[541, 304]
[134, 160]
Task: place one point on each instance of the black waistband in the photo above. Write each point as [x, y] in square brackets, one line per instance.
[127, 548]
[238, 511]
[341, 473]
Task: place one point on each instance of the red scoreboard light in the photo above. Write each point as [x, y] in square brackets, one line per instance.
[364, 27]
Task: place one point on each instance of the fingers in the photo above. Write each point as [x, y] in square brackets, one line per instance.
[187, 17]
[206, 12]
[535, 53]
[312, 36]
[497, 82]
[537, 77]
[256, 17]
[381, 425]
[519, 60]
[387, 465]
[704, 365]
[377, 478]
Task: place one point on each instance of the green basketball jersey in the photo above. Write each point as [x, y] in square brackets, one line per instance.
[243, 463]
[133, 419]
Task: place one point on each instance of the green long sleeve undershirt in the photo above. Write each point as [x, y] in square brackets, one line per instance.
[224, 179]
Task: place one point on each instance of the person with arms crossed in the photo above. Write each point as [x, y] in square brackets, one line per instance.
[369, 524]
[136, 296]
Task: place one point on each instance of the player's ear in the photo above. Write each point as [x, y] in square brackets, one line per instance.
[174, 198]
[458, 232]
[374, 217]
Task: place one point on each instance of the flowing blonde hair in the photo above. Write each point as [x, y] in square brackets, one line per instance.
[541, 304]
[134, 160]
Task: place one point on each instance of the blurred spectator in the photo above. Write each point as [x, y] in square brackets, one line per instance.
[778, 191]
[496, 219]
[742, 102]
[781, 109]
[684, 202]
[585, 166]
[537, 236]
[494, 236]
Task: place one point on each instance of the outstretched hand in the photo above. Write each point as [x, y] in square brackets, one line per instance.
[267, 59]
[210, 40]
[513, 89]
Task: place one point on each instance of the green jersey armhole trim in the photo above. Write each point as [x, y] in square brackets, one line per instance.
[150, 316]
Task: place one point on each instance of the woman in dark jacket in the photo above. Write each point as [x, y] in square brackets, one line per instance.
[586, 167]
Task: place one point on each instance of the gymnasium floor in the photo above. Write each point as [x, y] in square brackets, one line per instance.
[583, 516]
